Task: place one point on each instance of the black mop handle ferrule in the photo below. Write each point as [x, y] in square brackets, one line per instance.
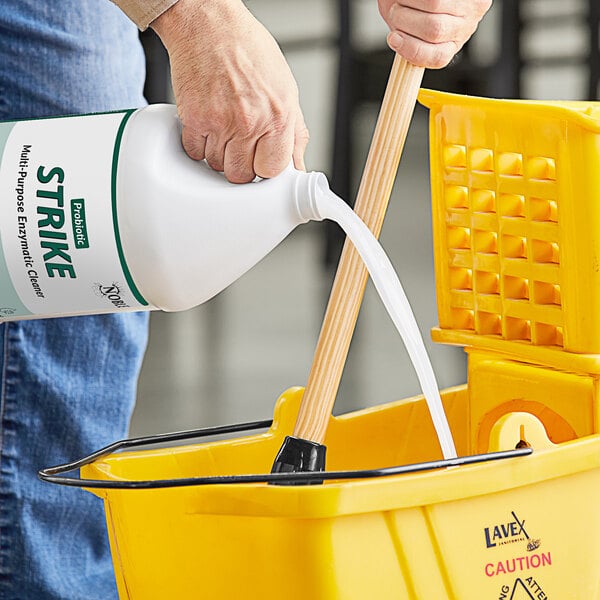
[299, 456]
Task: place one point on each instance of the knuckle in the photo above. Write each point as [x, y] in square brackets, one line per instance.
[415, 54]
[440, 58]
[203, 118]
[245, 121]
[428, 55]
[250, 122]
[271, 166]
[278, 120]
[390, 12]
[438, 31]
[266, 172]
[439, 62]
[269, 169]
[435, 6]
[483, 6]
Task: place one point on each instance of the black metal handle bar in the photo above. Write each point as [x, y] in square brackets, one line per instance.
[55, 474]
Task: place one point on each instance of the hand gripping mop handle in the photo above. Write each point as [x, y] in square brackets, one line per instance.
[305, 450]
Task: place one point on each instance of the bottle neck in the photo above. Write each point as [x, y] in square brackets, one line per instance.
[309, 187]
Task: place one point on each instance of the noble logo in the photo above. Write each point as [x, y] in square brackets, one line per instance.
[112, 292]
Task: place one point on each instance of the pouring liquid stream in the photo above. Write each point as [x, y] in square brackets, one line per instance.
[328, 205]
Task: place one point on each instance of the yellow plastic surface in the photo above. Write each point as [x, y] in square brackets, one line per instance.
[567, 403]
[522, 426]
[516, 528]
[515, 188]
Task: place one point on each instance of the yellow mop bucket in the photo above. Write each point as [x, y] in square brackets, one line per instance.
[519, 527]
[515, 188]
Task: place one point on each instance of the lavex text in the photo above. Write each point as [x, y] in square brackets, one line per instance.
[50, 227]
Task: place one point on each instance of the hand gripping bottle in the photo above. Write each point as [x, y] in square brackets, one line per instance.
[105, 212]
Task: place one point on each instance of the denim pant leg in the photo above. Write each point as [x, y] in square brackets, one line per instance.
[67, 385]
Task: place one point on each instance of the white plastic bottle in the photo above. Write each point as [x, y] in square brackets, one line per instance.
[106, 212]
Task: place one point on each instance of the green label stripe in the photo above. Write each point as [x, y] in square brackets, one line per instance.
[115, 164]
[10, 302]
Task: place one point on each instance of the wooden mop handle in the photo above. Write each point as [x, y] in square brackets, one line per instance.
[351, 278]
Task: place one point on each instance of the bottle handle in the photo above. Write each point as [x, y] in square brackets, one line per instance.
[349, 285]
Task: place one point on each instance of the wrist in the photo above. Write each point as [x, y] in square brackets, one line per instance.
[187, 17]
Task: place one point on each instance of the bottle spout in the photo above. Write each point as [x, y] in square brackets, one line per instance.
[309, 188]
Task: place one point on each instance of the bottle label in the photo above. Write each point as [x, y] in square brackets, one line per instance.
[60, 250]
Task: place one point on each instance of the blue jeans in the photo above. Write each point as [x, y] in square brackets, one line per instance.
[67, 385]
